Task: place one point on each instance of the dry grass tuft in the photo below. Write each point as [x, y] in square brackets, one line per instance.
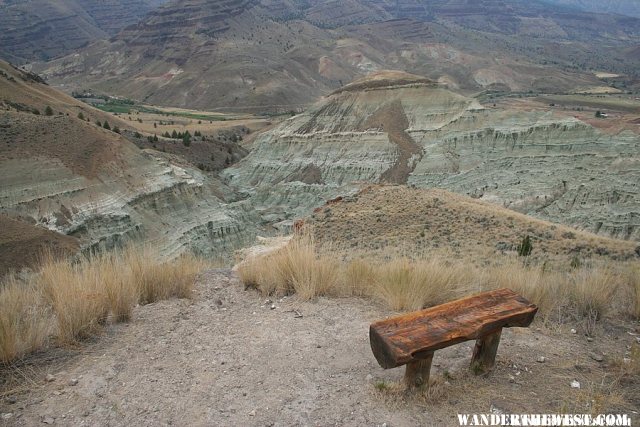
[294, 268]
[592, 291]
[24, 319]
[157, 281]
[633, 277]
[360, 275]
[121, 289]
[78, 297]
[545, 288]
[411, 285]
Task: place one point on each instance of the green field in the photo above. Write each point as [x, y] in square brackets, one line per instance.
[127, 107]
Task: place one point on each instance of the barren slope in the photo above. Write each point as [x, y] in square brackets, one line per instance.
[22, 244]
[621, 7]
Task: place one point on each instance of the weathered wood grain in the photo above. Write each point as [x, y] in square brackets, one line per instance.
[484, 352]
[418, 373]
[403, 339]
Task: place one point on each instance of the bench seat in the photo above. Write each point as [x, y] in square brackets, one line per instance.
[413, 337]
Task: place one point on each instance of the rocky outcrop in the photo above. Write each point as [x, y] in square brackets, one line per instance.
[555, 168]
[562, 170]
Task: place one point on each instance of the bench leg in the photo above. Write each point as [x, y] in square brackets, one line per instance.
[484, 353]
[418, 372]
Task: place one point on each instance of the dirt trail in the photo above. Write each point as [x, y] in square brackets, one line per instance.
[394, 121]
[227, 358]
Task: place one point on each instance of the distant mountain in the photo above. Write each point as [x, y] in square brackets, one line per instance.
[621, 7]
[43, 29]
[252, 54]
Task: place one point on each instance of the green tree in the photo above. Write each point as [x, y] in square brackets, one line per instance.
[174, 134]
[80, 115]
[116, 129]
[48, 111]
[106, 125]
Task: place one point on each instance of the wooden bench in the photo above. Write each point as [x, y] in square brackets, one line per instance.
[411, 339]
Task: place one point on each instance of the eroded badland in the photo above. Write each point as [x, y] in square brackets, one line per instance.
[205, 204]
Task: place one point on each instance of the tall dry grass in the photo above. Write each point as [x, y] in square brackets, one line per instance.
[155, 281]
[74, 300]
[547, 289]
[633, 277]
[294, 268]
[77, 297]
[25, 321]
[411, 284]
[592, 291]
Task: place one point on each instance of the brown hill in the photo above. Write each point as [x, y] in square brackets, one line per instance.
[396, 220]
[22, 244]
[251, 54]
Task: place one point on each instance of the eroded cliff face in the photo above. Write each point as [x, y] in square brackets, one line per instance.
[562, 170]
[137, 198]
[423, 135]
[75, 178]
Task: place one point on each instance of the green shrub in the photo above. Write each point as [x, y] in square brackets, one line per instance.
[526, 247]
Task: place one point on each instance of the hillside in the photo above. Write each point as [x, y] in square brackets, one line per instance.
[542, 162]
[21, 244]
[70, 176]
[41, 30]
[275, 55]
[620, 7]
[382, 221]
